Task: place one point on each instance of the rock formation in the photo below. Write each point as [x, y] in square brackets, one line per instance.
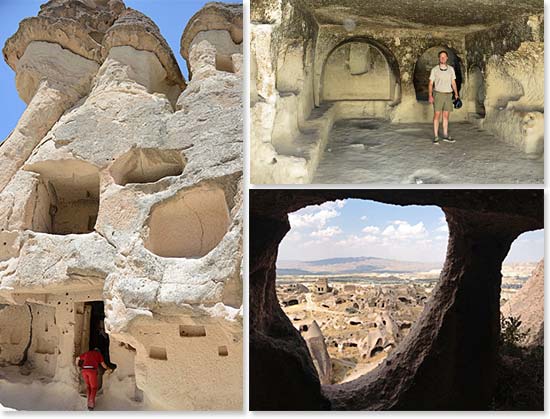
[315, 342]
[528, 305]
[448, 359]
[121, 197]
[317, 62]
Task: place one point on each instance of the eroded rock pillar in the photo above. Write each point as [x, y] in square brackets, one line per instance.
[51, 80]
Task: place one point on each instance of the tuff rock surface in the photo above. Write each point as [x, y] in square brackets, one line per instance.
[528, 305]
[122, 183]
[317, 62]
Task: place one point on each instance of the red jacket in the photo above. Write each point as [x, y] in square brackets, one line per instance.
[91, 359]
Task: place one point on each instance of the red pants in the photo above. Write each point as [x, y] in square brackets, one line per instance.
[90, 378]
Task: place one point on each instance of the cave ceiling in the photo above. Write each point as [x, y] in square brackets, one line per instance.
[420, 13]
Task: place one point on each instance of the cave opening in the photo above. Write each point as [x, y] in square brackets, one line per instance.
[358, 280]
[190, 224]
[425, 63]
[67, 197]
[92, 336]
[147, 165]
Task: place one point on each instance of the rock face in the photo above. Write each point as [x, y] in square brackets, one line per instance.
[316, 62]
[447, 360]
[315, 342]
[221, 25]
[121, 188]
[528, 304]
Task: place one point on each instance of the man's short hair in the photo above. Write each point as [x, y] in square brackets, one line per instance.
[443, 52]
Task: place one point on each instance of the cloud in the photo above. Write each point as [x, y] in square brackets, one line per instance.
[327, 232]
[443, 228]
[364, 218]
[371, 230]
[316, 216]
[293, 236]
[402, 230]
[356, 241]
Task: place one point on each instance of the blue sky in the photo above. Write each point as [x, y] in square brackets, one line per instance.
[171, 16]
[365, 228]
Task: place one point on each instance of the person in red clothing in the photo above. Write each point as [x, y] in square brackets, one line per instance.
[90, 362]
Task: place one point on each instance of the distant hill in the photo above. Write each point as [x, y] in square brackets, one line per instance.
[351, 265]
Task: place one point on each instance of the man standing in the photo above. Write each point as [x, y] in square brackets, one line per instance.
[442, 85]
[89, 362]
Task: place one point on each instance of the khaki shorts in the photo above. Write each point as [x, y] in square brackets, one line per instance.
[443, 102]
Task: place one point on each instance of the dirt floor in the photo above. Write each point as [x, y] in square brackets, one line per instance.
[31, 392]
[376, 151]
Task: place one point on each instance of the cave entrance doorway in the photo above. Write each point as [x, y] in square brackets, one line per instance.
[94, 336]
[424, 65]
[357, 273]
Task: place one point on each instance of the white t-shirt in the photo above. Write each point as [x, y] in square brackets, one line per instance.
[442, 78]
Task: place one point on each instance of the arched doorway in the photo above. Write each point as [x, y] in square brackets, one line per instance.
[424, 65]
[360, 69]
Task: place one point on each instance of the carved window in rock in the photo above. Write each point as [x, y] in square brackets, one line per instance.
[147, 165]
[189, 224]
[67, 197]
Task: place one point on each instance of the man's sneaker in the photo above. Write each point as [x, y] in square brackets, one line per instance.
[436, 140]
[448, 139]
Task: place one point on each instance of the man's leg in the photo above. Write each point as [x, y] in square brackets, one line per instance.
[437, 115]
[445, 124]
[93, 387]
[86, 378]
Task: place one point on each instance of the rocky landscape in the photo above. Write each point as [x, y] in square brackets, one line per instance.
[358, 324]
[121, 209]
[358, 319]
[339, 91]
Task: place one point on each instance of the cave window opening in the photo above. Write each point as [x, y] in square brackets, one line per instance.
[146, 165]
[67, 197]
[424, 65]
[189, 224]
[329, 288]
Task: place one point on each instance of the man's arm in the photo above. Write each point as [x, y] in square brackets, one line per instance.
[76, 360]
[455, 89]
[104, 365]
[430, 91]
